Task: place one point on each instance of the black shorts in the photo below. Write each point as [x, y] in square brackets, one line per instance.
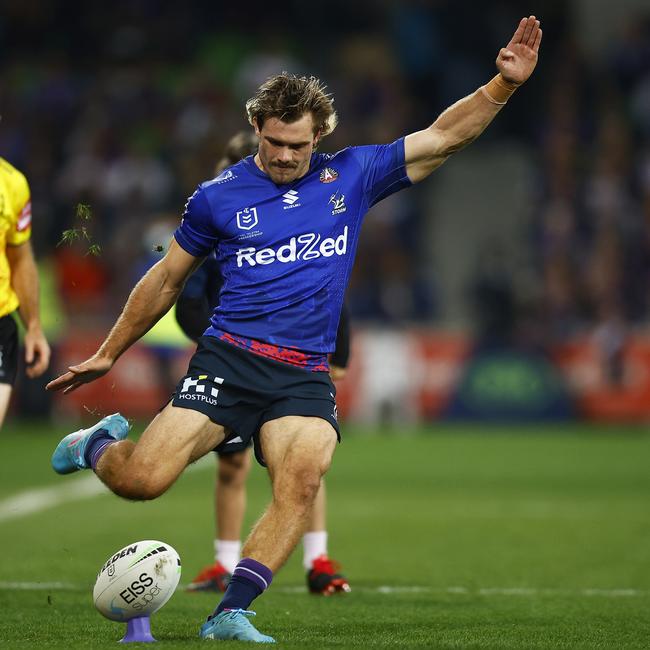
[241, 391]
[8, 350]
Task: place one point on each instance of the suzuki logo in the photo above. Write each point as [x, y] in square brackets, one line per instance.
[247, 218]
[290, 197]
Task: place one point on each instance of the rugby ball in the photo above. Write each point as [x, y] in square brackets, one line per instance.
[137, 580]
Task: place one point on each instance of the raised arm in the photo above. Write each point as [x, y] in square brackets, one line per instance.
[150, 299]
[465, 120]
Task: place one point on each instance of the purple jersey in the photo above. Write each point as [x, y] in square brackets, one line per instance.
[286, 251]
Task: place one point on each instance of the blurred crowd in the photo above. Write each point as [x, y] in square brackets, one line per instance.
[116, 112]
[592, 237]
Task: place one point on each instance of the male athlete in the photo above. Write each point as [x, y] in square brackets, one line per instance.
[284, 226]
[18, 285]
[194, 307]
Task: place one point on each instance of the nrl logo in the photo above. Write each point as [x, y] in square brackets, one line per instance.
[338, 201]
[247, 218]
[328, 175]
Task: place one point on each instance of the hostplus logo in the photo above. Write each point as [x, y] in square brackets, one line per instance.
[195, 389]
[307, 246]
[291, 198]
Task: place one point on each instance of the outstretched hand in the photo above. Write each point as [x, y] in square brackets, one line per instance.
[83, 373]
[37, 353]
[518, 59]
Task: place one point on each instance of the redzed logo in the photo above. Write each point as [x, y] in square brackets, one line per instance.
[307, 246]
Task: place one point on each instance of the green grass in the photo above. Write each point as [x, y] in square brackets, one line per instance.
[492, 538]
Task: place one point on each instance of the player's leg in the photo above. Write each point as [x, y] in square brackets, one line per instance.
[143, 470]
[8, 362]
[323, 575]
[298, 451]
[230, 506]
[231, 495]
[174, 439]
[5, 396]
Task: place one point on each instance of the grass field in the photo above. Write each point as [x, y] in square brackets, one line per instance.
[453, 537]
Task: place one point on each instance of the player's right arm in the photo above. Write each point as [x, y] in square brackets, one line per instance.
[465, 120]
[150, 299]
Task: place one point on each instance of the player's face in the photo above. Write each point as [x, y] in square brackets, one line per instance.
[286, 148]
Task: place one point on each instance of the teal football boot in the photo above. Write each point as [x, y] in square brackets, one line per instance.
[69, 457]
[232, 624]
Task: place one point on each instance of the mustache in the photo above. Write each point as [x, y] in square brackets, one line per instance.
[285, 165]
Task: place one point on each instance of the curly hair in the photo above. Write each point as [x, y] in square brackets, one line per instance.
[288, 97]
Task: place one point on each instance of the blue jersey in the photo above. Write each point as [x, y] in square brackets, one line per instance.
[286, 251]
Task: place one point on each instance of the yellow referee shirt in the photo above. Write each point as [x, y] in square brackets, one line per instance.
[15, 227]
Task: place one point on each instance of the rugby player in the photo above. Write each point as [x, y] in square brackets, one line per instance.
[194, 307]
[18, 285]
[284, 226]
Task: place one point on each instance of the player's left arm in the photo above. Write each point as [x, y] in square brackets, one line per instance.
[465, 120]
[24, 280]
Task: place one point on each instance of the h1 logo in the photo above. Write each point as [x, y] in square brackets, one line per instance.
[198, 387]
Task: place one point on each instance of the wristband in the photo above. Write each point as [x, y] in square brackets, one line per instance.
[498, 90]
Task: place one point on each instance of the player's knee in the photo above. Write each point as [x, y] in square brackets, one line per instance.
[301, 486]
[233, 469]
[140, 486]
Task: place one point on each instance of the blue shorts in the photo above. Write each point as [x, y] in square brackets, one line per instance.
[241, 391]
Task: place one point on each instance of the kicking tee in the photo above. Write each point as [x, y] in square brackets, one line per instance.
[286, 251]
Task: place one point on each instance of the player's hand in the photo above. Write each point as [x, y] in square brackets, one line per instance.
[37, 352]
[337, 373]
[518, 59]
[85, 372]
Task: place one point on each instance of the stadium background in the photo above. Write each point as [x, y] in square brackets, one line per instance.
[512, 285]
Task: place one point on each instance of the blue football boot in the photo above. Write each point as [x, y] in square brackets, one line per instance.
[69, 457]
[232, 624]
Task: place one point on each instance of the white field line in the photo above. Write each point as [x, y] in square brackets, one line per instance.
[529, 592]
[486, 591]
[78, 488]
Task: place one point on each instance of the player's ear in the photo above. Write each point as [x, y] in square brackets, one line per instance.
[317, 138]
[256, 127]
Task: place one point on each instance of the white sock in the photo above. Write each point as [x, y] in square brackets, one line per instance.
[228, 553]
[314, 544]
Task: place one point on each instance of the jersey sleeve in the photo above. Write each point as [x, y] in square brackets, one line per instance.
[197, 233]
[383, 169]
[21, 228]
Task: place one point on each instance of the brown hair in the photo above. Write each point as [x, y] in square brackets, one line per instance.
[288, 97]
[242, 144]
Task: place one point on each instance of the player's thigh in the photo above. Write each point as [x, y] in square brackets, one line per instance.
[297, 442]
[5, 396]
[177, 437]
